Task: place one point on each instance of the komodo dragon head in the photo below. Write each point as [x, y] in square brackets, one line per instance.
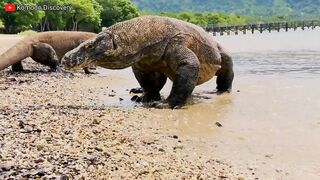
[91, 52]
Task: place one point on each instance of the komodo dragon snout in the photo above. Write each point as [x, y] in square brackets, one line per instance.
[90, 52]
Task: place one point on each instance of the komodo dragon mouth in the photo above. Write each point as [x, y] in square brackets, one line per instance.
[73, 61]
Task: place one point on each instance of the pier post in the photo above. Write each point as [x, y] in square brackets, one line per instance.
[252, 28]
[221, 31]
[261, 28]
[269, 27]
[237, 29]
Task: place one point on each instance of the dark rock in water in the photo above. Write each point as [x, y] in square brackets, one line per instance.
[134, 98]
[218, 124]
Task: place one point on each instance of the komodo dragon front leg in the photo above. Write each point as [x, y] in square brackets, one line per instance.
[186, 66]
[17, 67]
[151, 84]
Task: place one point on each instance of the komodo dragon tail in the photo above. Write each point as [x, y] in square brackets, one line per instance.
[15, 54]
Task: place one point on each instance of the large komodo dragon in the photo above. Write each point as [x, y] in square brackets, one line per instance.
[46, 48]
[157, 48]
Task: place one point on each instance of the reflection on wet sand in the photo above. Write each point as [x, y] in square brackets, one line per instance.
[200, 118]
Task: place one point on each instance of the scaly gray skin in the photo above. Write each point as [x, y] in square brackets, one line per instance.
[158, 48]
[46, 48]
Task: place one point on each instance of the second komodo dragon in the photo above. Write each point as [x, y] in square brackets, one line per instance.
[46, 48]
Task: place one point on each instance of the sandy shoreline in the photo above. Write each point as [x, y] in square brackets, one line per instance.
[55, 125]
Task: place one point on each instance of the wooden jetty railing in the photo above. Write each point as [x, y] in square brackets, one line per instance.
[261, 27]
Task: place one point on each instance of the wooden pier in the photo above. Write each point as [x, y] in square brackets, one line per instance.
[262, 27]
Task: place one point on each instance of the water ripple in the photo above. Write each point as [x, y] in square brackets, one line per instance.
[287, 63]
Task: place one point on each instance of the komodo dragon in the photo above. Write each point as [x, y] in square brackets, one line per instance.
[156, 48]
[46, 48]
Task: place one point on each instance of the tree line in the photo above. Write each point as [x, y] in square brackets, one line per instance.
[91, 15]
[295, 9]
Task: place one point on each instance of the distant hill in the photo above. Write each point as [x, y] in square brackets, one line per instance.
[256, 8]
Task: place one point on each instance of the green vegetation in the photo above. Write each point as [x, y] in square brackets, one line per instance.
[116, 11]
[85, 14]
[207, 18]
[28, 32]
[1, 25]
[254, 8]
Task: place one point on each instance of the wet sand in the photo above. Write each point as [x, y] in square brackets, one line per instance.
[57, 124]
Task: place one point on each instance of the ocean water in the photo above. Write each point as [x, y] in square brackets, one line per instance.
[293, 54]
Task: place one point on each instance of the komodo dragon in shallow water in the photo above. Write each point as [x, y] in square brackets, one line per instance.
[46, 48]
[157, 48]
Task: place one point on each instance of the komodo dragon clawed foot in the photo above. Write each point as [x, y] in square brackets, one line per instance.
[88, 71]
[163, 105]
[146, 98]
[138, 90]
